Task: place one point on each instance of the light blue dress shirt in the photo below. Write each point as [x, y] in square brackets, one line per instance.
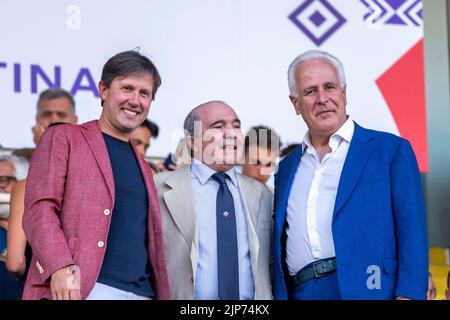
[205, 193]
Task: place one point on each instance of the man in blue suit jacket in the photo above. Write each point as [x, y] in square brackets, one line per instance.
[349, 213]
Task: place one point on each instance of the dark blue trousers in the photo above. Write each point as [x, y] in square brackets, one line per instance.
[324, 288]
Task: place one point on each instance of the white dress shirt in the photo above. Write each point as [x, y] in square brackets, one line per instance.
[205, 193]
[311, 200]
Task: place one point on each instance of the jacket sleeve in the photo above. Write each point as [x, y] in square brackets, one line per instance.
[43, 199]
[410, 224]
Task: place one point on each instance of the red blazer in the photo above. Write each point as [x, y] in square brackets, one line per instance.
[68, 204]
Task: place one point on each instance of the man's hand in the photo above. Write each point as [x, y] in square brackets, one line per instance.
[65, 283]
[37, 131]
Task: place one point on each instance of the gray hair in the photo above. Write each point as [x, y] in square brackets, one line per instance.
[20, 165]
[55, 93]
[192, 117]
[189, 122]
[313, 55]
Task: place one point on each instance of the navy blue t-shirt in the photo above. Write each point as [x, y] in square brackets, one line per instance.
[126, 263]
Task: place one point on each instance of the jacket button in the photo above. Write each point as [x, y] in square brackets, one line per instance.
[100, 244]
[107, 212]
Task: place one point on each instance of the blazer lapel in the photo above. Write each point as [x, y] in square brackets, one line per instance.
[95, 140]
[285, 178]
[180, 203]
[155, 221]
[251, 204]
[358, 154]
[251, 208]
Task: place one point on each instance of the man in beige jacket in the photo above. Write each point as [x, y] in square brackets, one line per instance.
[217, 223]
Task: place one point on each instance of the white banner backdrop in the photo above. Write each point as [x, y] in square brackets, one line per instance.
[236, 51]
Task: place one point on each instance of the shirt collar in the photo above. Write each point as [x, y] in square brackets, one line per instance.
[345, 132]
[204, 173]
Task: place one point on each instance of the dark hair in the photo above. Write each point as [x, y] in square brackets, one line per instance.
[55, 93]
[151, 126]
[127, 63]
[262, 136]
[288, 149]
[26, 153]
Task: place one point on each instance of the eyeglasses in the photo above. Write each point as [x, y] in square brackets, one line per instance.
[6, 180]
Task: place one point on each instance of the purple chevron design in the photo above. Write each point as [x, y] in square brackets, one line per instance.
[418, 12]
[317, 19]
[396, 12]
[372, 10]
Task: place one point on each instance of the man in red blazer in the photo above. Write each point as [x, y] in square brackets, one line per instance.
[91, 212]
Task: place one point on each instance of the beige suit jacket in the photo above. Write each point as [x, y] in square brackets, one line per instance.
[176, 200]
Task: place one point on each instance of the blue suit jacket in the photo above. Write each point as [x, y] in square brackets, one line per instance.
[379, 221]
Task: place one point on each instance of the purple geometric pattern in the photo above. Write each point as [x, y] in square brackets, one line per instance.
[398, 12]
[395, 4]
[372, 10]
[417, 12]
[317, 19]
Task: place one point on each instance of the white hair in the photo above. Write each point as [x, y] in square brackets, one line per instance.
[20, 165]
[313, 55]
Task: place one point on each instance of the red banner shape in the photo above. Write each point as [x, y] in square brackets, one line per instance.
[403, 89]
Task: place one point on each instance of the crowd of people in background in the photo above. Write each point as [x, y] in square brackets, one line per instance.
[95, 216]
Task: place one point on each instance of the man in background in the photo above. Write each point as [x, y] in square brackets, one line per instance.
[261, 149]
[141, 137]
[9, 289]
[53, 105]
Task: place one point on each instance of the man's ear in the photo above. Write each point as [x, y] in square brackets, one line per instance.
[295, 103]
[102, 90]
[191, 144]
[344, 93]
[73, 119]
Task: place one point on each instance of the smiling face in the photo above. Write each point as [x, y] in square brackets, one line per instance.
[321, 99]
[221, 141]
[126, 104]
